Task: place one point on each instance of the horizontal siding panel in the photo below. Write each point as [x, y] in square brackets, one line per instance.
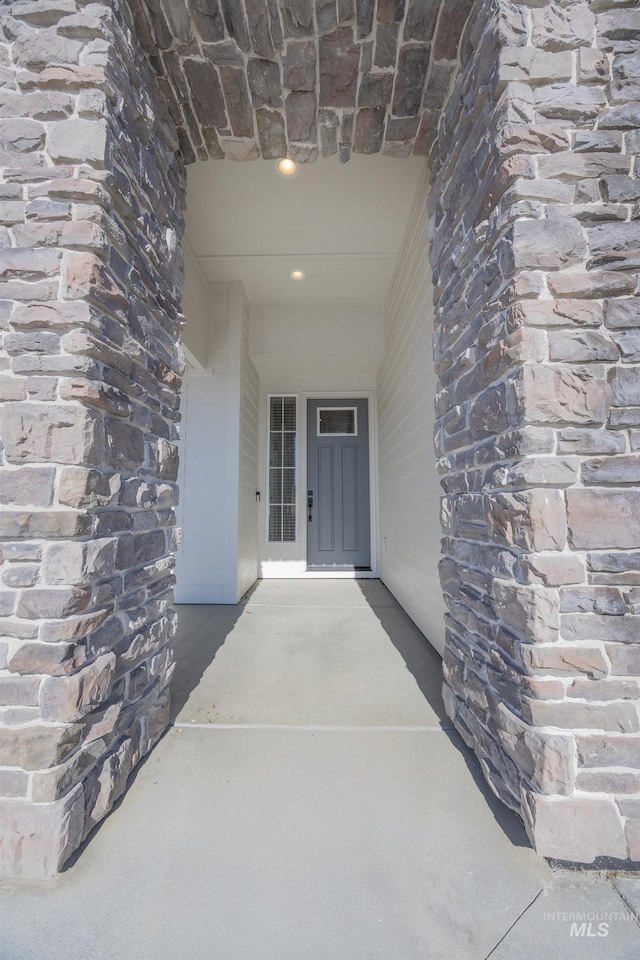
[408, 481]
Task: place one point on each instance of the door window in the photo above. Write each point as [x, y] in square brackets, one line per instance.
[337, 421]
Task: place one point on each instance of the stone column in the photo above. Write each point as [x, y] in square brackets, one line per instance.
[90, 269]
[535, 211]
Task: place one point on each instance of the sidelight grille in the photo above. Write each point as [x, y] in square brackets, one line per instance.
[282, 469]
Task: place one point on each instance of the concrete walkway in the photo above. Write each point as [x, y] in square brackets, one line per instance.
[312, 803]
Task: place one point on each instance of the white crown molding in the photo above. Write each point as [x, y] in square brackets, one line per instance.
[211, 260]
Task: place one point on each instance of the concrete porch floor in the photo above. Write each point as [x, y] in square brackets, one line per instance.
[311, 803]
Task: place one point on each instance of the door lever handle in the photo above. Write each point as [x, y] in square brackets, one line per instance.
[310, 504]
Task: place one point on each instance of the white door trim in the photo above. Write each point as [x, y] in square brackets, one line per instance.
[296, 570]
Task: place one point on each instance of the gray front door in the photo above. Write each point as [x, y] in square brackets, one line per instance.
[338, 484]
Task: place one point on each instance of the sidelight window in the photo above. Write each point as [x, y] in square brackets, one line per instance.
[282, 469]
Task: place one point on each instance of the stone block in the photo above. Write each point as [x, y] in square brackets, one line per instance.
[571, 828]
[561, 394]
[533, 520]
[531, 612]
[35, 746]
[601, 750]
[625, 387]
[62, 433]
[413, 63]
[616, 716]
[27, 486]
[264, 82]
[601, 519]
[579, 626]
[299, 65]
[300, 109]
[581, 347]
[107, 782]
[369, 132]
[271, 133]
[236, 93]
[566, 659]
[79, 562]
[546, 759]
[593, 599]
[36, 839]
[590, 441]
[70, 698]
[339, 66]
[625, 658]
[80, 486]
[553, 569]
[78, 141]
[562, 28]
[612, 470]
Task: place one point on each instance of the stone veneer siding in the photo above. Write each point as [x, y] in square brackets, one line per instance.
[535, 208]
[91, 272]
[535, 250]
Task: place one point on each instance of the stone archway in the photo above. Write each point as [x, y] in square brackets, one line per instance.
[532, 139]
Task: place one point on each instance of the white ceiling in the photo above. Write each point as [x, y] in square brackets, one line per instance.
[342, 224]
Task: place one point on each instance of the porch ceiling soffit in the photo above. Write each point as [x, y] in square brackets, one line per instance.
[272, 78]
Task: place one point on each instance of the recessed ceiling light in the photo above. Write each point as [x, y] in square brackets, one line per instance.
[297, 274]
[287, 168]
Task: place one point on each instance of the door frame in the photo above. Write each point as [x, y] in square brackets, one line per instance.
[301, 482]
[301, 512]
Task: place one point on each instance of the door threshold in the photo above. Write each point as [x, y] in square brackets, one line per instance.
[346, 573]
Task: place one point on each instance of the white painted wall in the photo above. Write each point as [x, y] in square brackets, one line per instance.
[247, 560]
[197, 307]
[217, 561]
[409, 487]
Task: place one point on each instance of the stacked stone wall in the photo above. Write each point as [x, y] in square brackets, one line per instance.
[535, 218]
[90, 283]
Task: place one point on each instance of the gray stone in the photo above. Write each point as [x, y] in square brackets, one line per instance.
[386, 49]
[271, 132]
[326, 15]
[339, 64]
[581, 346]
[206, 93]
[369, 132]
[612, 470]
[375, 90]
[601, 519]
[264, 82]
[364, 17]
[590, 441]
[207, 19]
[259, 23]
[27, 486]
[77, 140]
[299, 66]
[236, 24]
[236, 93]
[576, 829]
[297, 16]
[300, 110]
[413, 62]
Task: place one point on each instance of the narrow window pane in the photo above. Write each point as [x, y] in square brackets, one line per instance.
[282, 469]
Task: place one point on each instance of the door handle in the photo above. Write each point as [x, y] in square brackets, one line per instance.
[310, 504]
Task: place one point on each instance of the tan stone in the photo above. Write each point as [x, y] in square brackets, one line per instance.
[572, 828]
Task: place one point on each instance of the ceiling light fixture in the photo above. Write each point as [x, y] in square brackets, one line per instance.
[297, 274]
[287, 168]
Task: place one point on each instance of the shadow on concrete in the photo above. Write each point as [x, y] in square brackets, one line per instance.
[425, 665]
[422, 661]
[196, 648]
